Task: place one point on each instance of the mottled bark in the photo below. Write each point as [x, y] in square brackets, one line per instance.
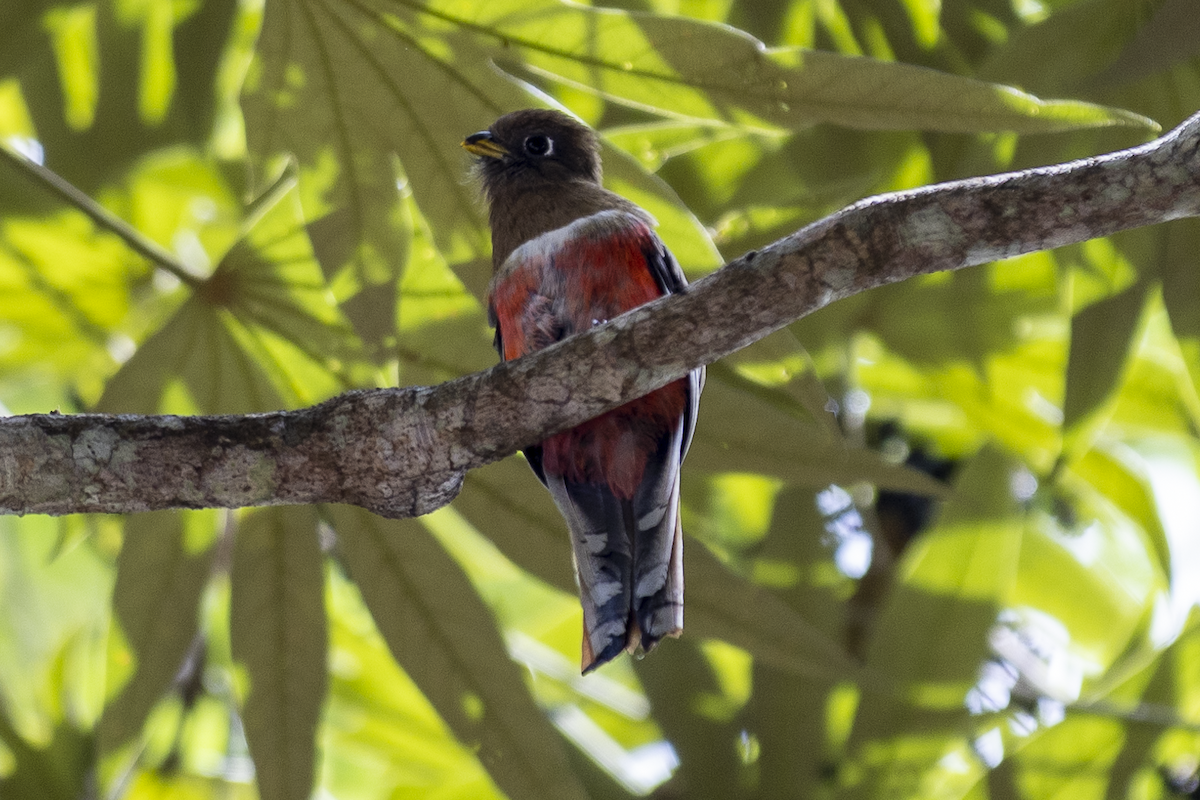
[403, 452]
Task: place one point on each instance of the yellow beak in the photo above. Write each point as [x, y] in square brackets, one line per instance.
[482, 144]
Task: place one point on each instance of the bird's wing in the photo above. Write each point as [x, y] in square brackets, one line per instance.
[658, 586]
[671, 280]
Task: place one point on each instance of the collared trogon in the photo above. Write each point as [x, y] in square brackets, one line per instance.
[568, 254]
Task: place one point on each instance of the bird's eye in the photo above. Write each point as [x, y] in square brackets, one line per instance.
[538, 145]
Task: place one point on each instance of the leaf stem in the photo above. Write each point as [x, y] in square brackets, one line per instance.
[260, 205]
[137, 242]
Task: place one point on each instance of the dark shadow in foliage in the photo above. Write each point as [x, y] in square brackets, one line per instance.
[903, 515]
[119, 134]
[787, 713]
[62, 770]
[1142, 738]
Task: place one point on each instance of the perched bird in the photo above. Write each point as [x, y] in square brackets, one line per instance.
[567, 255]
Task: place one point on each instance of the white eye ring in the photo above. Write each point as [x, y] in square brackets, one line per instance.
[539, 145]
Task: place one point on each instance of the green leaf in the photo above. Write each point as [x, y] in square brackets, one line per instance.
[799, 451]
[271, 283]
[790, 729]
[1180, 288]
[197, 347]
[180, 198]
[755, 189]
[1184, 660]
[799, 723]
[776, 372]
[59, 770]
[681, 685]
[720, 604]
[63, 620]
[945, 333]
[346, 88]
[262, 332]
[1116, 583]
[505, 502]
[325, 74]
[1124, 483]
[446, 640]
[1009, 395]
[1140, 741]
[1066, 48]
[705, 72]
[65, 281]
[1071, 760]
[380, 736]
[51, 655]
[1170, 37]
[653, 143]
[277, 627]
[1101, 340]
[107, 82]
[932, 636]
[65, 290]
[160, 580]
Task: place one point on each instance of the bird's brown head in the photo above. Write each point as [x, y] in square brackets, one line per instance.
[527, 149]
[540, 170]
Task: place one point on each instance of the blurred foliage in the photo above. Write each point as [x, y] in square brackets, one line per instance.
[259, 205]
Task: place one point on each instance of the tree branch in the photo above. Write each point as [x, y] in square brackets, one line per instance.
[404, 452]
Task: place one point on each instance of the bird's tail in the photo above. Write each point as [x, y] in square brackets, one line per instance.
[629, 566]
[657, 601]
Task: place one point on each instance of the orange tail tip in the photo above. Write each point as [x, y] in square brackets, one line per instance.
[635, 644]
[591, 660]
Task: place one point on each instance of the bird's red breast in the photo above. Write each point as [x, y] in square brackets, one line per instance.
[567, 281]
